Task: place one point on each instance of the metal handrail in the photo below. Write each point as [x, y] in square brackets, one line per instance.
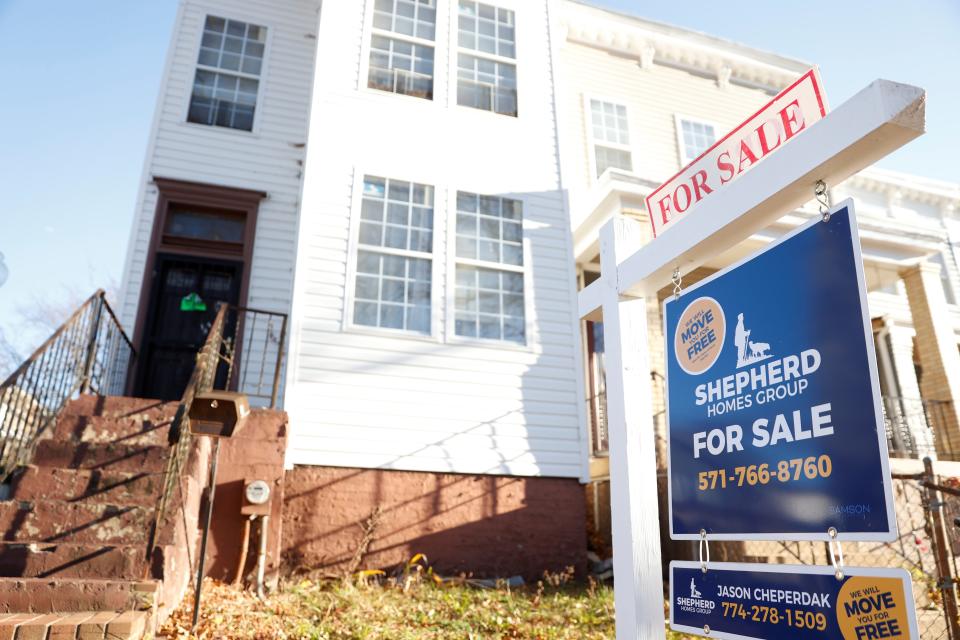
[89, 352]
[219, 366]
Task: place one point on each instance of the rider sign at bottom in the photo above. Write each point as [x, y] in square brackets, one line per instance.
[761, 601]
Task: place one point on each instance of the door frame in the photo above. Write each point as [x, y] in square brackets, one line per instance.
[180, 192]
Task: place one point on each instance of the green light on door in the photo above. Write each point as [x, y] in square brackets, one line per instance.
[192, 302]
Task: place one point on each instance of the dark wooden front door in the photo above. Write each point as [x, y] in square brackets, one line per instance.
[173, 336]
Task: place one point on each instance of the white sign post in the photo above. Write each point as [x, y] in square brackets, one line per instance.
[878, 120]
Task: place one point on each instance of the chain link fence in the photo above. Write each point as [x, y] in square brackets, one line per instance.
[922, 505]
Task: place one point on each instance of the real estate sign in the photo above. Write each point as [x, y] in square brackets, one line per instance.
[793, 110]
[759, 601]
[775, 429]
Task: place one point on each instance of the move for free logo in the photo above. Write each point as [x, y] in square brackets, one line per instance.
[700, 334]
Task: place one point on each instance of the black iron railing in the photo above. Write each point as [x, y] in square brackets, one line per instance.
[243, 351]
[89, 353]
[918, 428]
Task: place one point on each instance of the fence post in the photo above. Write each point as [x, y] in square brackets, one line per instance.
[92, 344]
[940, 542]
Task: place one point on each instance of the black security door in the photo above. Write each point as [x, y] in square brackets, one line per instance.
[176, 328]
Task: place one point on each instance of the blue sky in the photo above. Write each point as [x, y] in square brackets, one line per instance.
[81, 81]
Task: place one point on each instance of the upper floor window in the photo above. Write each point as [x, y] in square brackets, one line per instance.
[394, 256]
[227, 80]
[611, 136]
[487, 76]
[488, 298]
[401, 49]
[695, 138]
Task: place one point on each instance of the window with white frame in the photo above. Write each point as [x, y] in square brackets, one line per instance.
[695, 138]
[394, 255]
[488, 295]
[401, 47]
[227, 80]
[486, 63]
[611, 136]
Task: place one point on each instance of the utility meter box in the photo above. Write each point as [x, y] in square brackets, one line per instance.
[218, 414]
[257, 496]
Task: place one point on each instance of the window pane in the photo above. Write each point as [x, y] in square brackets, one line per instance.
[486, 84]
[204, 225]
[607, 157]
[488, 303]
[409, 227]
[697, 138]
[406, 17]
[401, 67]
[223, 100]
[392, 291]
[489, 228]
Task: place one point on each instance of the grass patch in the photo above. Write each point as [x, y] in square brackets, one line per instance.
[421, 610]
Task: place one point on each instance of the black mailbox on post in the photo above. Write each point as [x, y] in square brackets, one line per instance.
[218, 414]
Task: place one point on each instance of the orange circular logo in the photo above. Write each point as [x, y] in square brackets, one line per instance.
[699, 337]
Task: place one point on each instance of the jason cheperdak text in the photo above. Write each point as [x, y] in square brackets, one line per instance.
[766, 383]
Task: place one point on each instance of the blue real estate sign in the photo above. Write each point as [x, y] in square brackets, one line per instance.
[762, 601]
[774, 419]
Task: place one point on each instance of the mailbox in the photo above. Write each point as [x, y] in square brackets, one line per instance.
[218, 413]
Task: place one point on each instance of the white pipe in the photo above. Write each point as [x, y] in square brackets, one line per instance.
[262, 557]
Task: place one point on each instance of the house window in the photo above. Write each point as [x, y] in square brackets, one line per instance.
[394, 256]
[401, 49]
[611, 136]
[227, 81]
[487, 76]
[695, 138]
[488, 299]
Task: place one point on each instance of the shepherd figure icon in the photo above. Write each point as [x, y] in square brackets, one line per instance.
[748, 352]
[693, 589]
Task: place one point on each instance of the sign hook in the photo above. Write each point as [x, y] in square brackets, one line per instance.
[704, 544]
[823, 199]
[834, 562]
[677, 280]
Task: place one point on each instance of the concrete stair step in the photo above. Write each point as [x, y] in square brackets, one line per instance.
[106, 457]
[83, 485]
[131, 431]
[67, 595]
[121, 407]
[73, 522]
[69, 560]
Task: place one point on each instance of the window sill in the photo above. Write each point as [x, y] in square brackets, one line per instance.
[373, 91]
[255, 134]
[488, 343]
[385, 332]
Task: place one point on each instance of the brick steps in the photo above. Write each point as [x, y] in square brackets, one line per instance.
[73, 533]
[99, 429]
[105, 457]
[88, 625]
[90, 486]
[72, 595]
[58, 521]
[57, 560]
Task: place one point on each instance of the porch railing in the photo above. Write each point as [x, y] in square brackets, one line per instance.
[243, 351]
[89, 353]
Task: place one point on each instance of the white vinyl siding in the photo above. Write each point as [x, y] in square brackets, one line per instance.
[269, 160]
[486, 71]
[401, 49]
[390, 399]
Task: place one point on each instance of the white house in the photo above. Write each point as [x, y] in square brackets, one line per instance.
[418, 237]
